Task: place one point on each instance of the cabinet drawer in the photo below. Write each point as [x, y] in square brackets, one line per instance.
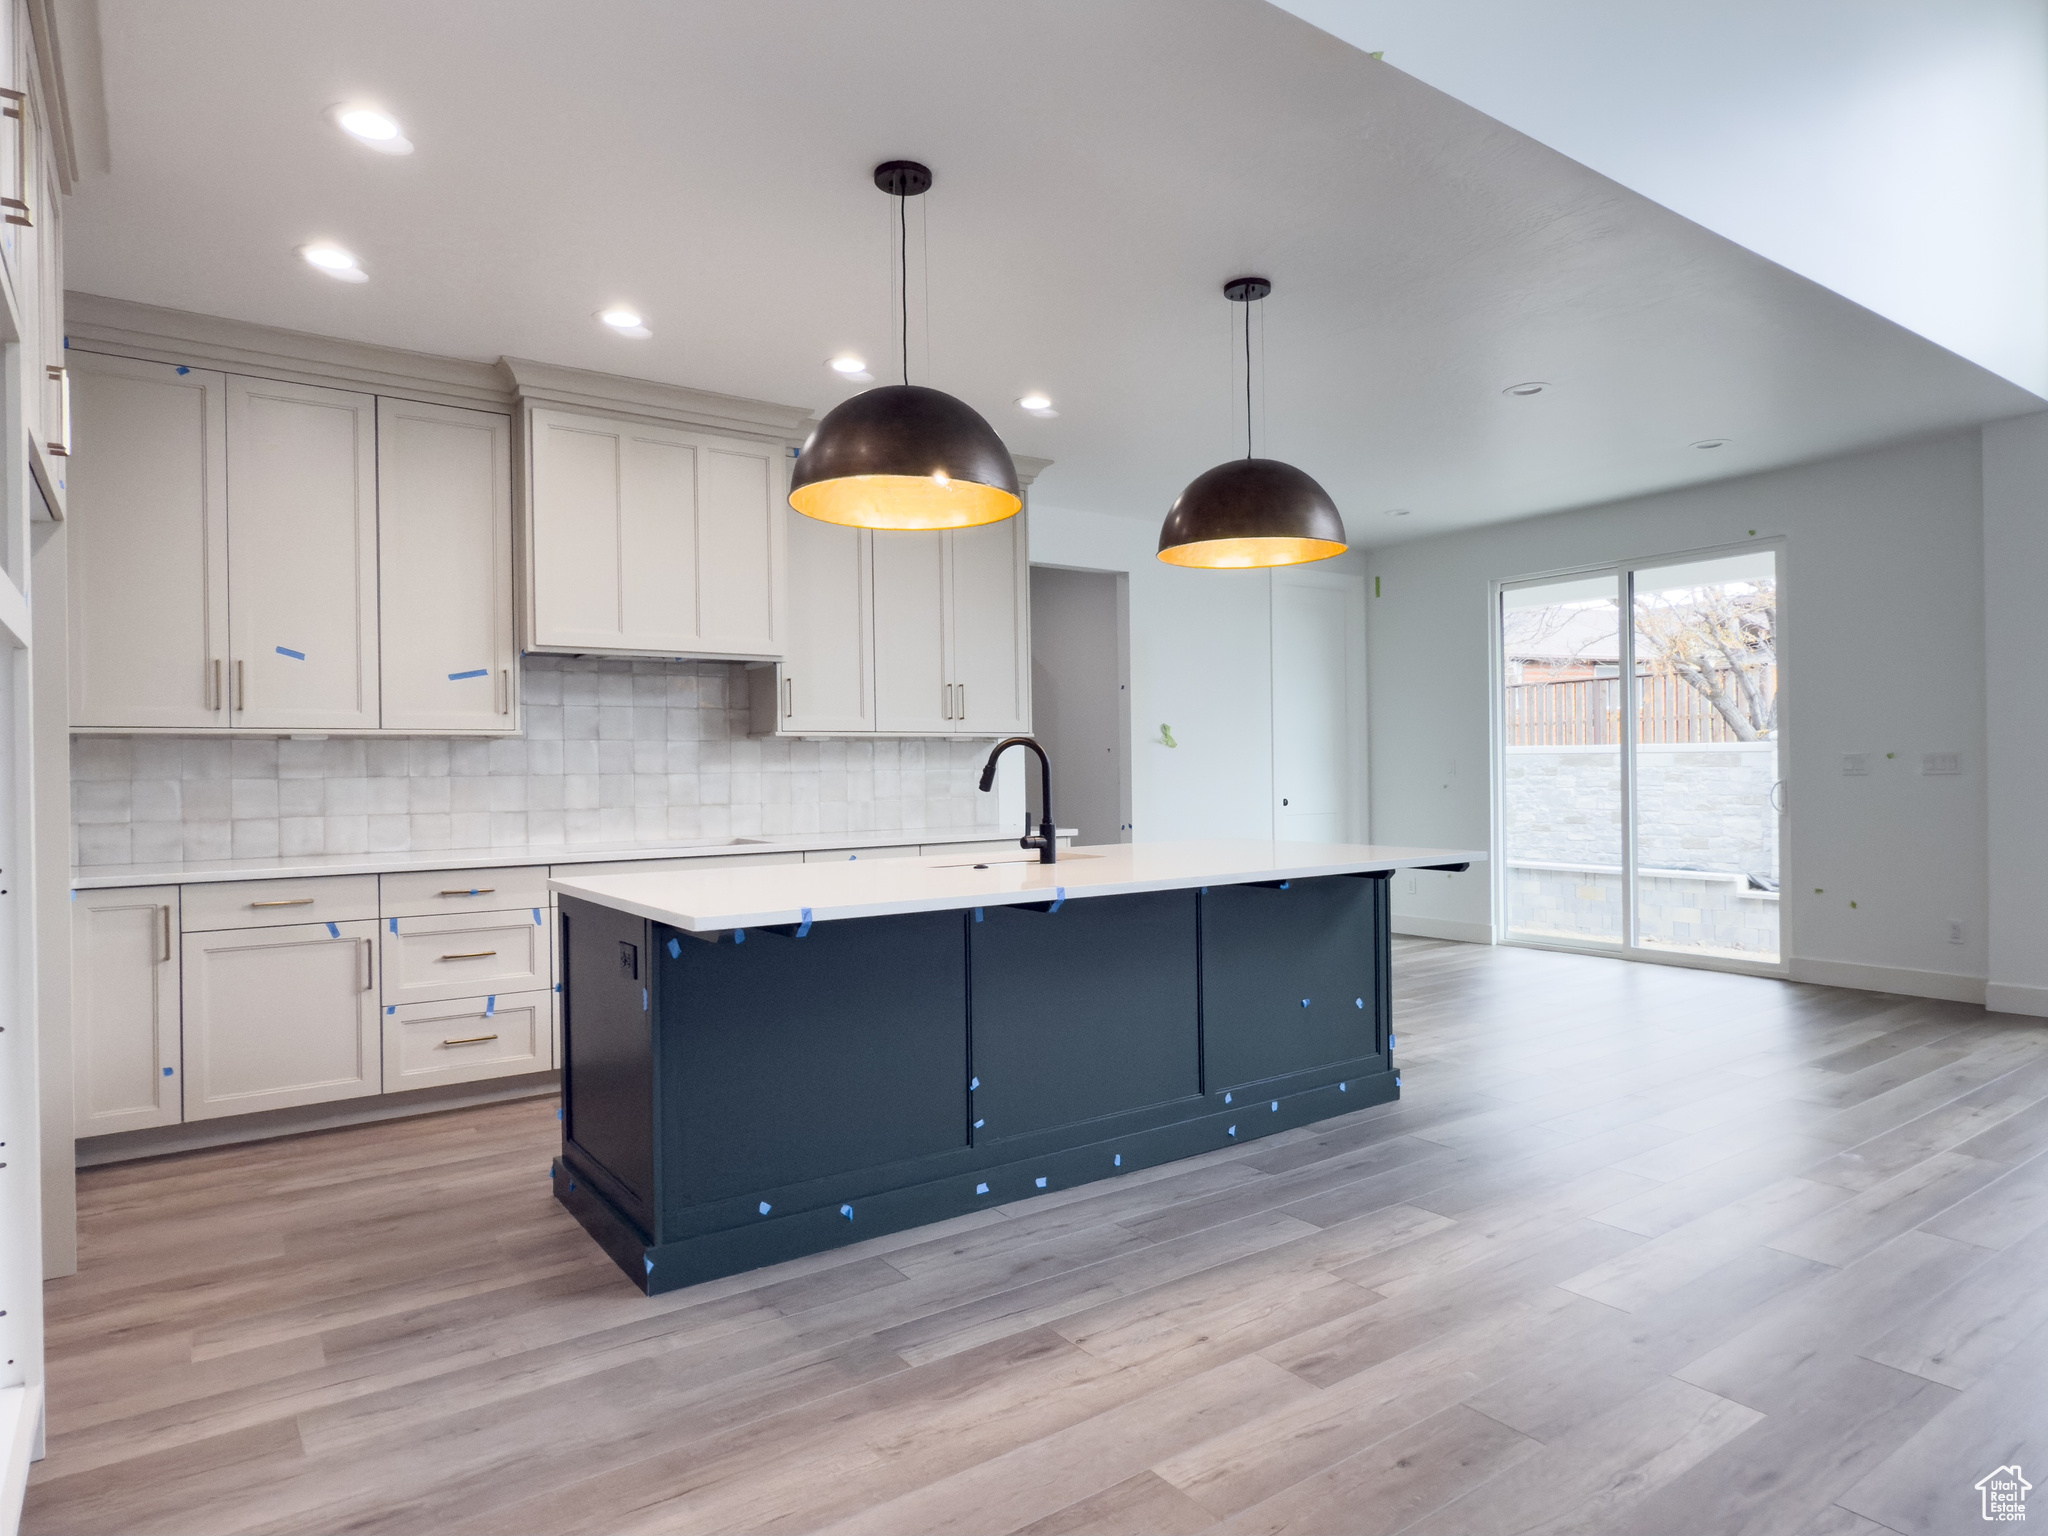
[465, 954]
[431, 892]
[671, 866]
[459, 1042]
[841, 855]
[273, 903]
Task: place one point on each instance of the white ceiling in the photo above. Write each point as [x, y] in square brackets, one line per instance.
[1101, 169]
[1894, 150]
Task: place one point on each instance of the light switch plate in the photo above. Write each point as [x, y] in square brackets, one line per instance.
[1941, 762]
[1855, 762]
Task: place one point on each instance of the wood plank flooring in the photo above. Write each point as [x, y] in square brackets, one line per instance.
[1643, 1250]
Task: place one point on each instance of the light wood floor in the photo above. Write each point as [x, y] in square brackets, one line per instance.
[1643, 1250]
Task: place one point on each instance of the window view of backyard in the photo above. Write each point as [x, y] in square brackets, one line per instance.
[1699, 725]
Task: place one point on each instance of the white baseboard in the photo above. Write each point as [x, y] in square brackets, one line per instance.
[126, 1146]
[2004, 997]
[1943, 985]
[21, 1416]
[1443, 928]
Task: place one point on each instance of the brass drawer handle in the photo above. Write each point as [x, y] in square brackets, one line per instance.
[61, 377]
[296, 901]
[482, 890]
[470, 1040]
[474, 954]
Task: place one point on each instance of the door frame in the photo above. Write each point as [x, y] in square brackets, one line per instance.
[1623, 570]
[1357, 810]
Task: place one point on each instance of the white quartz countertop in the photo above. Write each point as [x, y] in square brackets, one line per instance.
[91, 877]
[714, 900]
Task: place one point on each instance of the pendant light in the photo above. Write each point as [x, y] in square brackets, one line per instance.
[1251, 512]
[901, 456]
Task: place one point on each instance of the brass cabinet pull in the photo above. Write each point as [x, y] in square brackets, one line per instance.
[241, 692]
[213, 698]
[946, 700]
[166, 911]
[474, 954]
[61, 377]
[470, 1040]
[789, 698]
[504, 692]
[369, 980]
[296, 901]
[17, 108]
[962, 713]
[480, 890]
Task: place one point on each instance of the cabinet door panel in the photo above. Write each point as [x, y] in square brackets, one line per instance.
[989, 633]
[302, 555]
[124, 1009]
[658, 570]
[574, 552]
[1290, 979]
[739, 533]
[828, 675]
[910, 633]
[280, 1016]
[148, 544]
[444, 537]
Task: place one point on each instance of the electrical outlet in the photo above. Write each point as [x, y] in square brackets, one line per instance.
[1855, 762]
[1955, 931]
[1411, 885]
[1941, 762]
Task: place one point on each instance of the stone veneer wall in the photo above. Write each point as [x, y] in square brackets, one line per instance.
[1698, 807]
[612, 752]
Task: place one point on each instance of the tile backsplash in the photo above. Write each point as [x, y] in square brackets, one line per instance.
[613, 752]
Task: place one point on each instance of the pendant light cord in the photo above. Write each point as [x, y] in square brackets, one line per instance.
[903, 274]
[1247, 381]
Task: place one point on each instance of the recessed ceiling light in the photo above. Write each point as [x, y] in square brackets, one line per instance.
[1711, 442]
[1527, 387]
[378, 129]
[334, 261]
[626, 322]
[1397, 511]
[1038, 404]
[849, 367]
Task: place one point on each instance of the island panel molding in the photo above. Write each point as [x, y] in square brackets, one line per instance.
[746, 1082]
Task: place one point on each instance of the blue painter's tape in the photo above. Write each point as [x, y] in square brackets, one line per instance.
[1304, 1002]
[1343, 1087]
[1233, 1130]
[739, 935]
[491, 1006]
[1119, 1160]
[394, 925]
[851, 857]
[333, 931]
[393, 1008]
[846, 1211]
[74, 895]
[1392, 1042]
[1226, 1098]
[981, 1189]
[1276, 1106]
[572, 1186]
[558, 986]
[766, 1207]
[1041, 1183]
[1359, 1001]
[643, 999]
[285, 650]
[1285, 884]
[803, 928]
[1397, 1079]
[558, 1113]
[977, 914]
[457, 677]
[979, 1124]
[973, 1083]
[536, 918]
[167, 1071]
[675, 949]
[181, 367]
[650, 1265]
[1059, 898]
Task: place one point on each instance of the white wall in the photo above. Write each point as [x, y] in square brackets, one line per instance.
[2016, 732]
[1883, 651]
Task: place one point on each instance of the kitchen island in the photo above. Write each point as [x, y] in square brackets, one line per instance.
[766, 1062]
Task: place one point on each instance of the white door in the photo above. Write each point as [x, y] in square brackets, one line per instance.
[740, 555]
[149, 545]
[989, 619]
[444, 537]
[828, 674]
[280, 1016]
[302, 556]
[1318, 683]
[124, 1009]
[913, 693]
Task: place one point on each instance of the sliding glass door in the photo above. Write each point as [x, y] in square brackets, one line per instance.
[1639, 790]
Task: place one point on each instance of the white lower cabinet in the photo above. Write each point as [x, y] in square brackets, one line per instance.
[463, 1041]
[282, 1016]
[124, 1009]
[464, 954]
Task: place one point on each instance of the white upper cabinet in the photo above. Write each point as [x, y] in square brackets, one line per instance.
[989, 628]
[652, 540]
[913, 686]
[444, 520]
[149, 546]
[302, 565]
[828, 671]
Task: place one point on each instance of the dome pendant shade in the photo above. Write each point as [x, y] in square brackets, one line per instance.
[901, 456]
[1248, 513]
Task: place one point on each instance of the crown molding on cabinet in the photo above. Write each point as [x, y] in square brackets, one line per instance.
[96, 324]
[605, 394]
[1029, 468]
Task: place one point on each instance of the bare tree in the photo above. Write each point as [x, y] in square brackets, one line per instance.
[1722, 640]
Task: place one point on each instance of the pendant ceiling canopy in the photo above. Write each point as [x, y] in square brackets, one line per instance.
[1251, 512]
[904, 456]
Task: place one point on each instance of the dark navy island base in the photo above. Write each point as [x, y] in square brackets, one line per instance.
[739, 1099]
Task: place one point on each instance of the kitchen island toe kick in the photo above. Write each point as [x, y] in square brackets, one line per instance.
[759, 1069]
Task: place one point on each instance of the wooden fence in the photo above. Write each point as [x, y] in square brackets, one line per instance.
[1587, 712]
